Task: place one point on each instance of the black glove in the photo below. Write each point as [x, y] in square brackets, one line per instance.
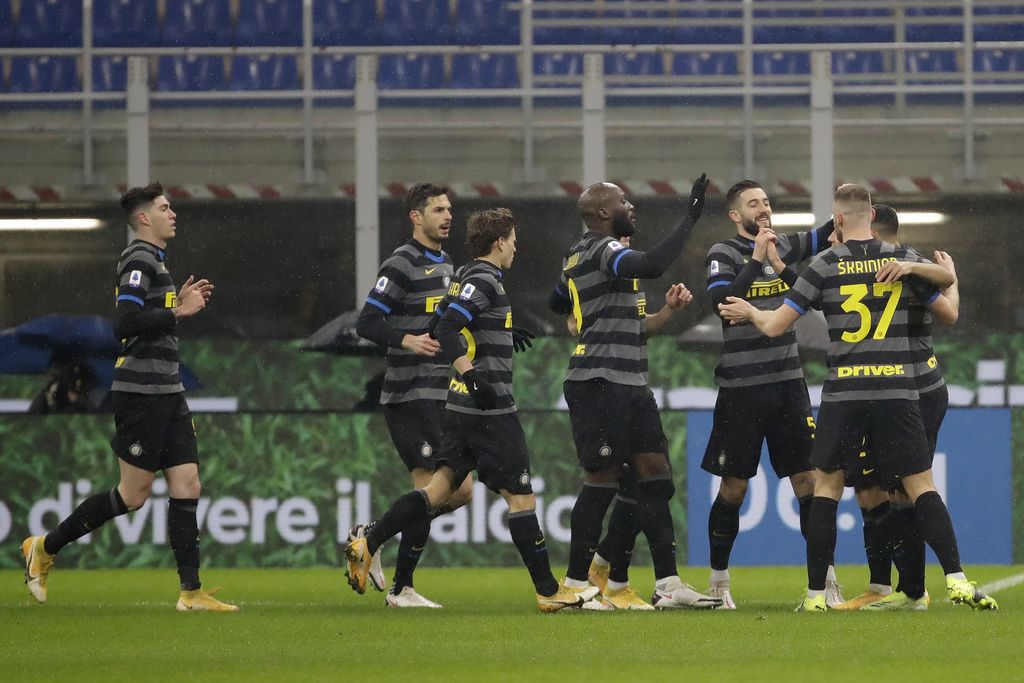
[522, 339]
[696, 205]
[482, 393]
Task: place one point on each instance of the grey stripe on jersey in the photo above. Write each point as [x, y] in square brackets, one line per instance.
[610, 314]
[869, 356]
[750, 358]
[410, 285]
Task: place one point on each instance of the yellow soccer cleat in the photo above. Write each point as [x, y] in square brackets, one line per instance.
[202, 601]
[865, 598]
[566, 597]
[358, 560]
[626, 599]
[963, 592]
[598, 575]
[815, 604]
[898, 602]
[38, 563]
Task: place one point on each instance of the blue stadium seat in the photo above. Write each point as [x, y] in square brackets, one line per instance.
[780, 35]
[998, 61]
[633, 64]
[190, 73]
[269, 22]
[782, 63]
[6, 23]
[125, 23]
[44, 74]
[856, 34]
[573, 34]
[637, 34]
[926, 33]
[558, 64]
[854, 62]
[931, 61]
[416, 22]
[410, 71]
[485, 22]
[999, 22]
[708, 35]
[109, 74]
[485, 71]
[705, 64]
[334, 72]
[264, 72]
[49, 23]
[197, 23]
[345, 22]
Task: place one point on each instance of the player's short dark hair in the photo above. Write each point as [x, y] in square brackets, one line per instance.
[485, 227]
[418, 195]
[137, 197]
[739, 188]
[887, 221]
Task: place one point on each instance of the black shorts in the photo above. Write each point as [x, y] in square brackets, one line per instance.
[933, 410]
[893, 429]
[746, 416]
[416, 428]
[613, 422]
[493, 445]
[153, 431]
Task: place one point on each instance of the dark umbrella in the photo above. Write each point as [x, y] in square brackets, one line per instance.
[33, 347]
[811, 331]
[339, 337]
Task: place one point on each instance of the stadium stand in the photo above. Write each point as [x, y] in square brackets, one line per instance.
[485, 70]
[44, 74]
[269, 22]
[345, 22]
[49, 23]
[485, 22]
[334, 72]
[125, 23]
[190, 73]
[416, 22]
[198, 23]
[109, 74]
[634, 64]
[409, 71]
[558, 68]
[264, 72]
[6, 23]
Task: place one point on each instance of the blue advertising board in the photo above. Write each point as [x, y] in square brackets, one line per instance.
[972, 472]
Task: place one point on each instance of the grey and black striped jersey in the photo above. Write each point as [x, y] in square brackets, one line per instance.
[869, 355]
[750, 358]
[926, 365]
[410, 285]
[147, 364]
[477, 293]
[609, 313]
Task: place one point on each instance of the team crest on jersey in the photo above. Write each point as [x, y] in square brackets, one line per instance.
[524, 478]
[467, 291]
[616, 245]
[135, 278]
[426, 450]
[382, 284]
[447, 281]
[604, 451]
[721, 459]
[135, 449]
[768, 270]
[714, 269]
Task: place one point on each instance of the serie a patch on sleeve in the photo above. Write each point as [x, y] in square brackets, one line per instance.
[467, 291]
[382, 284]
[135, 278]
[714, 269]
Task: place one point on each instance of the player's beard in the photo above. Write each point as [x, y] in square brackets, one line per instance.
[751, 227]
[622, 226]
[435, 234]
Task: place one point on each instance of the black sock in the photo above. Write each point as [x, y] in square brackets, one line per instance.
[937, 530]
[908, 553]
[821, 540]
[723, 527]
[183, 533]
[656, 523]
[529, 540]
[402, 513]
[805, 510]
[414, 539]
[586, 522]
[617, 548]
[878, 533]
[91, 514]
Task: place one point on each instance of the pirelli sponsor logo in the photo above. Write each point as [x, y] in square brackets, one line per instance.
[767, 289]
[861, 267]
[432, 302]
[895, 370]
[170, 300]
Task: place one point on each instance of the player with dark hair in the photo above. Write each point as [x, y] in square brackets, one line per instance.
[762, 395]
[410, 285]
[890, 523]
[615, 421]
[482, 430]
[871, 390]
[154, 430]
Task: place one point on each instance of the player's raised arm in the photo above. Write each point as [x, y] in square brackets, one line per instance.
[770, 323]
[677, 298]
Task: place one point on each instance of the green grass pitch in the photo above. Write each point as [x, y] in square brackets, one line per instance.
[305, 624]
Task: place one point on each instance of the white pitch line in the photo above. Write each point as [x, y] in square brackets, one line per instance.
[1001, 584]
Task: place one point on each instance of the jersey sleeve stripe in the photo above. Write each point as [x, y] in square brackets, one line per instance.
[792, 304]
[374, 302]
[615, 263]
[719, 283]
[932, 298]
[129, 297]
[461, 310]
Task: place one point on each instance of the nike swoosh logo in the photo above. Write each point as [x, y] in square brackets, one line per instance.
[868, 471]
[540, 542]
[430, 270]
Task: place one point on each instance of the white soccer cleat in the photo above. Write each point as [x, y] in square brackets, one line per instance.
[833, 594]
[408, 597]
[721, 591]
[376, 574]
[684, 597]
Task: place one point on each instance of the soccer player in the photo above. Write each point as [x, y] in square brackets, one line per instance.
[871, 390]
[890, 523]
[410, 285]
[762, 394]
[482, 430]
[615, 420]
[154, 430]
